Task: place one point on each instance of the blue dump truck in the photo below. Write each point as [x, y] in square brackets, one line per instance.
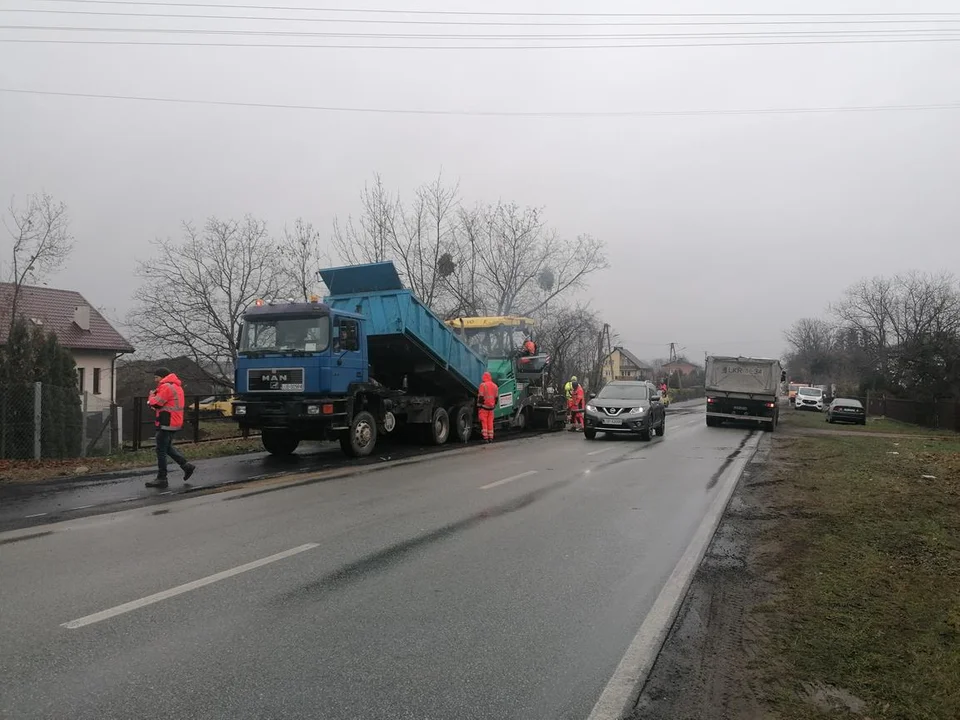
[369, 360]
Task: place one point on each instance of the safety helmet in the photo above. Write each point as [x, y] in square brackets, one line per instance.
[573, 378]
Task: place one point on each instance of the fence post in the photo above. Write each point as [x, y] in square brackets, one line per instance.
[137, 421]
[37, 419]
[866, 410]
[196, 419]
[115, 437]
[83, 427]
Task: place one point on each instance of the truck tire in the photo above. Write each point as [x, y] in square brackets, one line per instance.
[522, 420]
[279, 442]
[438, 431]
[712, 422]
[361, 438]
[463, 423]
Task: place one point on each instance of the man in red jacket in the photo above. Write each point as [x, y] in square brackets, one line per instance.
[487, 403]
[167, 401]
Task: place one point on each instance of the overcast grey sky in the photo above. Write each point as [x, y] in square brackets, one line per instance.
[760, 218]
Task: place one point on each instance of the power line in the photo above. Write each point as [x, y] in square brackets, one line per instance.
[485, 13]
[843, 34]
[160, 43]
[509, 23]
[493, 113]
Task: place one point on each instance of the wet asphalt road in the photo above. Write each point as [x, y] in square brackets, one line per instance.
[501, 582]
[24, 505]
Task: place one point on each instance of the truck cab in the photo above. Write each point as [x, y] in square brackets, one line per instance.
[297, 362]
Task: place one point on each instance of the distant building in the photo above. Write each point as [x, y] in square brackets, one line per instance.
[94, 343]
[621, 364]
[680, 366]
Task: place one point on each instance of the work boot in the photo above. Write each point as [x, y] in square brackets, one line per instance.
[188, 471]
[160, 482]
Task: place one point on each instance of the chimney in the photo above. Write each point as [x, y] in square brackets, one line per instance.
[81, 317]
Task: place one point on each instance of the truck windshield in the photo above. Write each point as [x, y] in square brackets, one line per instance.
[286, 334]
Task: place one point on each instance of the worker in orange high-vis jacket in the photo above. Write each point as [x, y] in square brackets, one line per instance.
[576, 404]
[168, 402]
[487, 403]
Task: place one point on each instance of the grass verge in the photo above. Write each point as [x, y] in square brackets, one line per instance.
[815, 420]
[864, 620]
[20, 471]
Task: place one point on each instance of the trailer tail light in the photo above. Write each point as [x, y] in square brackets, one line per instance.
[328, 409]
[710, 401]
[770, 405]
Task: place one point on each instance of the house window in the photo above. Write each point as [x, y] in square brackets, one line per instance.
[96, 381]
[80, 378]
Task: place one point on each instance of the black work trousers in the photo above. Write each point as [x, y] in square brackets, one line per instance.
[166, 447]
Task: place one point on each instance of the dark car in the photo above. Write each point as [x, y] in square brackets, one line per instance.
[625, 407]
[846, 410]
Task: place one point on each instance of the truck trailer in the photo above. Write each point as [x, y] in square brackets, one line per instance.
[369, 360]
[744, 389]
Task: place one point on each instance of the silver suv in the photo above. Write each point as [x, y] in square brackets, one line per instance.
[626, 407]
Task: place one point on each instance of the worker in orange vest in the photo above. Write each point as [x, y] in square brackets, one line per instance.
[487, 403]
[575, 404]
[529, 347]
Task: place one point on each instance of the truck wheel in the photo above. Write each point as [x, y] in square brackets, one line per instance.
[439, 427]
[552, 421]
[463, 423]
[361, 438]
[712, 422]
[520, 423]
[279, 442]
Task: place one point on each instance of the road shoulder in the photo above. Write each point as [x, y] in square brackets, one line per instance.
[830, 589]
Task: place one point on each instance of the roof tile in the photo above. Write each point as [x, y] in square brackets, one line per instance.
[54, 308]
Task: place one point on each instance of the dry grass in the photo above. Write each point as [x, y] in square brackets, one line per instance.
[865, 617]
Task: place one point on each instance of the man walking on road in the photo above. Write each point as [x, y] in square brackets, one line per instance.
[167, 401]
[487, 403]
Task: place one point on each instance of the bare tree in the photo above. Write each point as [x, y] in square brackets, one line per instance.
[570, 335]
[373, 236]
[419, 238]
[301, 250]
[509, 261]
[41, 242]
[196, 291]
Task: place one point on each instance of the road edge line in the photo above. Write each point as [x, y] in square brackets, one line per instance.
[622, 691]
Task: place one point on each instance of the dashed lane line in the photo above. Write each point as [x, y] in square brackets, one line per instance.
[510, 479]
[185, 588]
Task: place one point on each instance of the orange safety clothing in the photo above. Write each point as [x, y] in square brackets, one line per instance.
[167, 401]
[487, 403]
[575, 405]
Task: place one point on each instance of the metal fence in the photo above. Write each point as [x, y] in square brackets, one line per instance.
[39, 421]
[935, 414]
[205, 418]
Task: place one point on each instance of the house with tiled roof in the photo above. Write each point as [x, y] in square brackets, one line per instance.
[80, 328]
[621, 364]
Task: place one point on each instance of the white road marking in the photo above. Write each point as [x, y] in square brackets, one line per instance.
[181, 589]
[599, 452]
[82, 507]
[35, 515]
[528, 473]
[621, 691]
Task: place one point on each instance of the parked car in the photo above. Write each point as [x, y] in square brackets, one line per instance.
[625, 407]
[809, 398]
[846, 410]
